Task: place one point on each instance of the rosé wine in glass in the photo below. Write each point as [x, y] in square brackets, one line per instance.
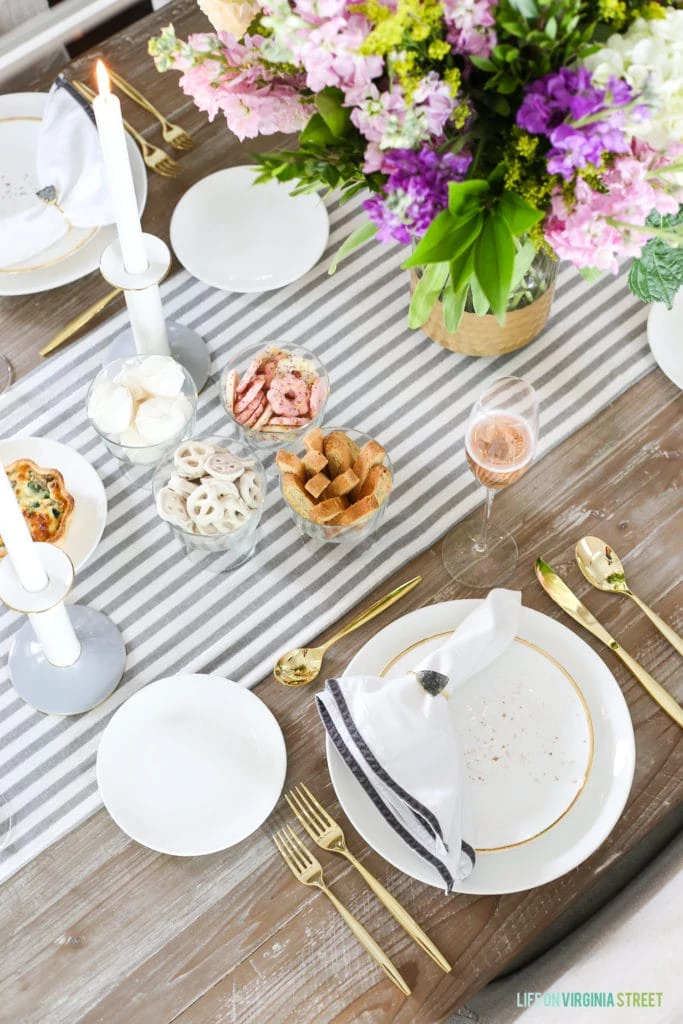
[500, 444]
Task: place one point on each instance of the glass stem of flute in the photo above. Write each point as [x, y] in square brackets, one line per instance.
[482, 540]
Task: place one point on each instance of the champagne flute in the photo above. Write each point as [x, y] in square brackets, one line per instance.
[500, 444]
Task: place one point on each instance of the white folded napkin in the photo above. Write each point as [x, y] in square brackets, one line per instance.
[70, 174]
[399, 737]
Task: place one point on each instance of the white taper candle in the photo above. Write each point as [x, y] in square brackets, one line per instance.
[119, 175]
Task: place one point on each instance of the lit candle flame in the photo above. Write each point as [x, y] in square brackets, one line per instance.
[103, 84]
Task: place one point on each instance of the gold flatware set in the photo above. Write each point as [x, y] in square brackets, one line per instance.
[307, 869]
[155, 158]
[603, 570]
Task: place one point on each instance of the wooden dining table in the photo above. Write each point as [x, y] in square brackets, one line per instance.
[100, 929]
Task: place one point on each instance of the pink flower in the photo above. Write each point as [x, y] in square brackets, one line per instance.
[600, 228]
[330, 57]
[469, 26]
[253, 97]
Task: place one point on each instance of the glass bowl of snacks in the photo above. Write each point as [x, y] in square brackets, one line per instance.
[336, 484]
[141, 407]
[274, 393]
[211, 490]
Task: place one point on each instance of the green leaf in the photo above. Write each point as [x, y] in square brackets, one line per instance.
[316, 132]
[483, 63]
[336, 117]
[357, 238]
[524, 257]
[657, 274]
[461, 269]
[494, 258]
[479, 300]
[460, 193]
[517, 213]
[453, 308]
[427, 292]
[590, 274]
[551, 27]
[445, 239]
[527, 8]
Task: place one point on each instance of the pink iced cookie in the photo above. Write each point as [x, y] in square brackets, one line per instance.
[318, 396]
[248, 396]
[249, 374]
[288, 395]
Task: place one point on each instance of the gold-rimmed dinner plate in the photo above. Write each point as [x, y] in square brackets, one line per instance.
[547, 740]
[76, 253]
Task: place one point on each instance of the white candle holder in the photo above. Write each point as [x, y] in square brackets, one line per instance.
[62, 661]
[149, 333]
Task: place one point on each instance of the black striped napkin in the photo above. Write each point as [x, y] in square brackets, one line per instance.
[399, 737]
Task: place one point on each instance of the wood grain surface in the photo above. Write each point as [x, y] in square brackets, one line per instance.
[100, 930]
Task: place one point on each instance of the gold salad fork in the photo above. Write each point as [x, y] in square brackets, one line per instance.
[155, 158]
[326, 833]
[307, 870]
[174, 134]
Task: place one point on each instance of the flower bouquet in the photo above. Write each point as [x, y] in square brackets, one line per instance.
[492, 137]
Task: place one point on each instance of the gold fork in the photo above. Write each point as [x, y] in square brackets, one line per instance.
[154, 157]
[174, 134]
[307, 870]
[326, 833]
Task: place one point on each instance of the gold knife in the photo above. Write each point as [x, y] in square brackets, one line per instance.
[560, 593]
[79, 321]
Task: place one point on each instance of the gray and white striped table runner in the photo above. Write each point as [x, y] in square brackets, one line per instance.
[388, 381]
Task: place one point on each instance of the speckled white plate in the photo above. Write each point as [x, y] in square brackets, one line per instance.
[548, 744]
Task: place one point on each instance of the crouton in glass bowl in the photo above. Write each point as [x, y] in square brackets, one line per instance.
[336, 484]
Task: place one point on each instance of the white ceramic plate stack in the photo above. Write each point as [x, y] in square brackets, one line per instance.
[547, 740]
[78, 252]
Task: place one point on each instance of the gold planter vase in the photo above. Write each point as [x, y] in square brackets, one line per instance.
[483, 335]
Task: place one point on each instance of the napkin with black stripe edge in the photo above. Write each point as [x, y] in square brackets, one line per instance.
[399, 737]
[70, 174]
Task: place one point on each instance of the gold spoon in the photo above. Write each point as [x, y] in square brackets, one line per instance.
[602, 567]
[302, 665]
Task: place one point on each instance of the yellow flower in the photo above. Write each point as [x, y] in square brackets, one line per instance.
[613, 11]
[438, 49]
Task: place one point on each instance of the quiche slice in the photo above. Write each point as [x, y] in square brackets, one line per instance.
[44, 500]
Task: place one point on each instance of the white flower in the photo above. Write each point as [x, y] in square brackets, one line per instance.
[229, 15]
[649, 56]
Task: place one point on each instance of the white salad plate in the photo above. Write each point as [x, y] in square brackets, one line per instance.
[78, 252]
[81, 480]
[547, 741]
[241, 237]
[191, 764]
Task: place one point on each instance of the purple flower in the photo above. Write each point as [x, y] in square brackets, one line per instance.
[583, 122]
[415, 191]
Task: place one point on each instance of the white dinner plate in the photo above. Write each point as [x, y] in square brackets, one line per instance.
[664, 337]
[241, 237]
[191, 764]
[81, 480]
[547, 740]
[78, 252]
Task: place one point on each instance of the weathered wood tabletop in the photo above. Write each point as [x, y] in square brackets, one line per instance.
[99, 929]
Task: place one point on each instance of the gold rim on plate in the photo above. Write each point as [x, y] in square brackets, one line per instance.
[57, 259]
[527, 643]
